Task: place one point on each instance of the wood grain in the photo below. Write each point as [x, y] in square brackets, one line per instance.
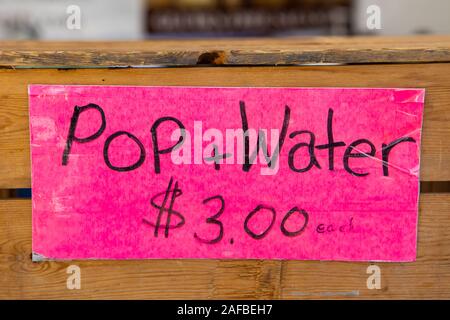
[428, 277]
[261, 51]
[435, 162]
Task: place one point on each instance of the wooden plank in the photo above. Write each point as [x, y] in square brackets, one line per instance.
[428, 277]
[435, 162]
[175, 279]
[227, 51]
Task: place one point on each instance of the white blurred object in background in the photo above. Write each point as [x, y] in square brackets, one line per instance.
[48, 19]
[402, 17]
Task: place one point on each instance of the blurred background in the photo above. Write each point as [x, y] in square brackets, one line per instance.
[146, 19]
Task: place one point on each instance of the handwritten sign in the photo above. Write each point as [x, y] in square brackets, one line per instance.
[193, 172]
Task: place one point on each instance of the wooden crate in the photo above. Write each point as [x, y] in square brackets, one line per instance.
[422, 62]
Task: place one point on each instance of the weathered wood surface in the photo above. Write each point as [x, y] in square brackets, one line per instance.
[428, 277]
[435, 163]
[190, 52]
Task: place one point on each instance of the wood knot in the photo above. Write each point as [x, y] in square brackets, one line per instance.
[212, 58]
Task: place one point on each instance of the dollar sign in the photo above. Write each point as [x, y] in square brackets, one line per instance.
[173, 194]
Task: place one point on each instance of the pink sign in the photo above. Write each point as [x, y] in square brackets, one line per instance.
[192, 172]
